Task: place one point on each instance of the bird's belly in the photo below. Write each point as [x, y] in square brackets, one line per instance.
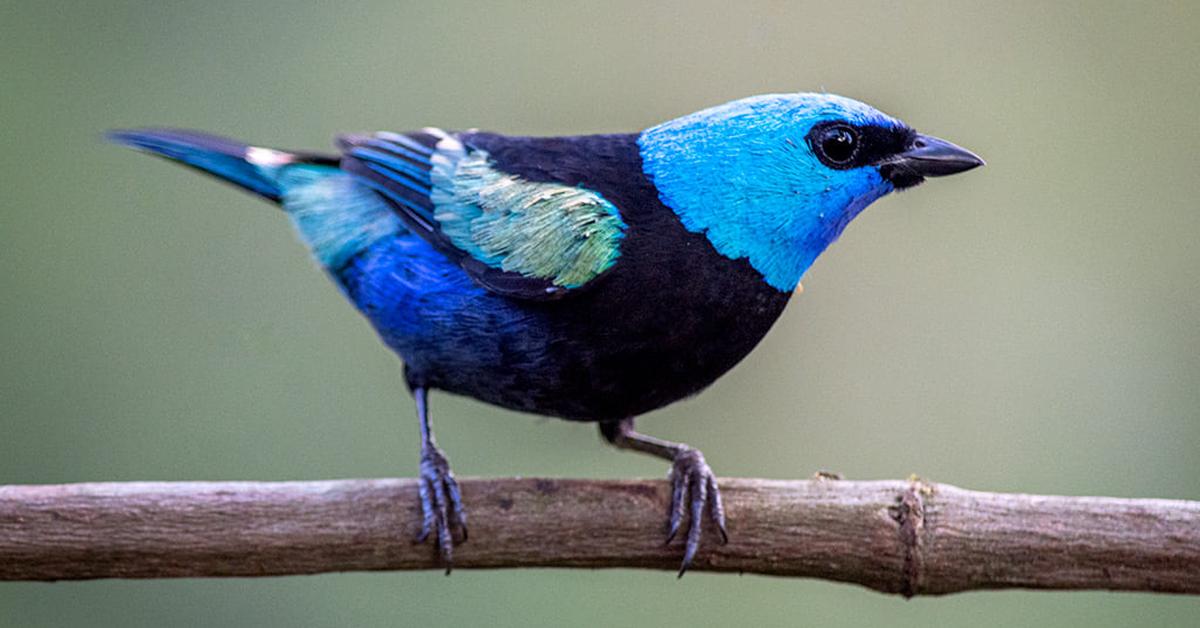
[559, 368]
[590, 357]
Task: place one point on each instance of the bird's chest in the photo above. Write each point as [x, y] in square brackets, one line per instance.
[661, 328]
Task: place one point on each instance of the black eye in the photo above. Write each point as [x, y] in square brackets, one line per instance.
[838, 144]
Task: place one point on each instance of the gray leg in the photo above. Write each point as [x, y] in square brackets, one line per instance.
[692, 482]
[441, 500]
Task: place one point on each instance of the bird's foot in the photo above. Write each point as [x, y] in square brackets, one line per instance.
[694, 486]
[441, 504]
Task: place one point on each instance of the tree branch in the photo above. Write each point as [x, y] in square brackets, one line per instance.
[898, 537]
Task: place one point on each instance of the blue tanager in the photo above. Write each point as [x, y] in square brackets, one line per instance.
[590, 278]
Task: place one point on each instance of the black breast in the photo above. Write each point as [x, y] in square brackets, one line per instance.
[670, 317]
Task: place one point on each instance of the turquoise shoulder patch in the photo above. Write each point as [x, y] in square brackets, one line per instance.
[566, 235]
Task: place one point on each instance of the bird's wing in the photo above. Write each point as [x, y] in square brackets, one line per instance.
[518, 238]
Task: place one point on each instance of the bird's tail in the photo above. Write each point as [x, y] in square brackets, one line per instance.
[249, 167]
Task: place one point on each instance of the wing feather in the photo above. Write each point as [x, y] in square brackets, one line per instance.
[519, 238]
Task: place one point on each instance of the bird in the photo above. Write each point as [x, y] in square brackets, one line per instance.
[589, 278]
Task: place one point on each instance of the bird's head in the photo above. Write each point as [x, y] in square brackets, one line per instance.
[774, 179]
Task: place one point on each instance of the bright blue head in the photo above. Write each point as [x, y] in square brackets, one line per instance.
[776, 178]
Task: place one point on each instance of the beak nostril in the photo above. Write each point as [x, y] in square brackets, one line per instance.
[932, 157]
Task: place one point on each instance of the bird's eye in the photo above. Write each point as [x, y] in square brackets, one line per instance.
[838, 144]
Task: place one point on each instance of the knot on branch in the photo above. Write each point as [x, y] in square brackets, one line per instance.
[909, 513]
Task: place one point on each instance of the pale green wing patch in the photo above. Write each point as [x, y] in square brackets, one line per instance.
[562, 234]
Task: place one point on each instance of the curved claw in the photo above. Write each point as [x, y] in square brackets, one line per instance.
[458, 514]
[680, 484]
[694, 484]
[718, 510]
[441, 505]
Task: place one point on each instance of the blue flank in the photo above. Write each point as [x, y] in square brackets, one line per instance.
[428, 310]
[743, 174]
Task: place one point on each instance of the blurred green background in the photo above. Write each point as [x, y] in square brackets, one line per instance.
[1033, 326]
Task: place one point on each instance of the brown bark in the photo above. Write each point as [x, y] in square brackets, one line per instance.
[898, 537]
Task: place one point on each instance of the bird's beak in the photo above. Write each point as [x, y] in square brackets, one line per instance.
[929, 156]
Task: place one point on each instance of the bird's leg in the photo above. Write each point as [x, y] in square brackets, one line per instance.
[441, 500]
[693, 484]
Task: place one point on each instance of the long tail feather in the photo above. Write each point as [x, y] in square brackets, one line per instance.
[248, 167]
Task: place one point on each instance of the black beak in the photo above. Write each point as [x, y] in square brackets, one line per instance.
[927, 156]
